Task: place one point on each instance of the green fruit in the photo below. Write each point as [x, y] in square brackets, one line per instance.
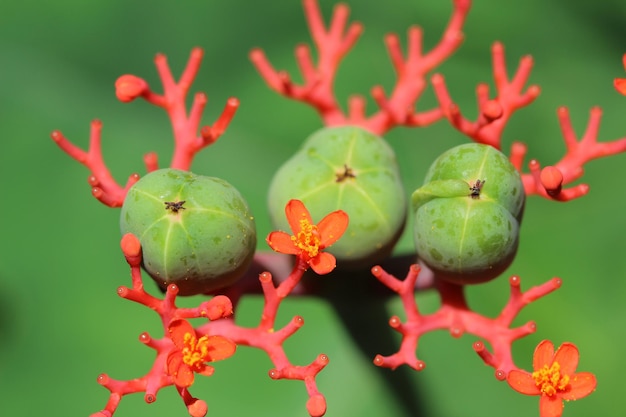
[196, 232]
[467, 214]
[351, 169]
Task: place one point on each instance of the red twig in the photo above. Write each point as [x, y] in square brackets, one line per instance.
[103, 185]
[548, 182]
[455, 316]
[219, 310]
[335, 42]
[620, 83]
[493, 113]
[189, 138]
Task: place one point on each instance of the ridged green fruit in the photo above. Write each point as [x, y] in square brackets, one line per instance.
[467, 214]
[351, 169]
[196, 232]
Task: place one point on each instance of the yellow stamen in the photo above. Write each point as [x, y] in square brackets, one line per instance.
[308, 238]
[550, 380]
[196, 351]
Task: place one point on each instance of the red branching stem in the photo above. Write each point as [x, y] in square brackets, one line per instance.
[189, 138]
[334, 43]
[455, 316]
[219, 311]
[103, 185]
[271, 340]
[493, 113]
[548, 182]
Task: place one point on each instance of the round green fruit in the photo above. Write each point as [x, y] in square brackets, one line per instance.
[196, 232]
[468, 213]
[351, 169]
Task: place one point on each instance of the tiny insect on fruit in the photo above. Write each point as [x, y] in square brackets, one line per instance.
[346, 168]
[475, 189]
[174, 206]
[196, 232]
[467, 214]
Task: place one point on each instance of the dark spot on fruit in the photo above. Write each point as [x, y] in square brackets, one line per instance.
[475, 189]
[174, 206]
[345, 174]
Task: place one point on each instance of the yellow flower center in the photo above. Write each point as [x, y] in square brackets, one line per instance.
[308, 238]
[196, 351]
[550, 380]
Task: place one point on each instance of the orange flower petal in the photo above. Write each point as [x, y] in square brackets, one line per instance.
[522, 382]
[567, 357]
[178, 328]
[332, 227]
[206, 370]
[550, 406]
[184, 376]
[581, 385]
[221, 347]
[620, 85]
[296, 211]
[323, 263]
[281, 242]
[174, 361]
[544, 353]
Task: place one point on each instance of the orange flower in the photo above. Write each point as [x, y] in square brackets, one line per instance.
[554, 378]
[620, 83]
[309, 240]
[192, 352]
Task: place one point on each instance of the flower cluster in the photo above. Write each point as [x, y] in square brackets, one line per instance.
[186, 350]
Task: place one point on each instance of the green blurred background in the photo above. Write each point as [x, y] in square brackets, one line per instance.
[61, 322]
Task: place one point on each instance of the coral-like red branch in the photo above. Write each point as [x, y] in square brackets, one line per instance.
[218, 310]
[620, 83]
[271, 340]
[103, 185]
[455, 316]
[158, 377]
[548, 182]
[189, 138]
[335, 42]
[493, 113]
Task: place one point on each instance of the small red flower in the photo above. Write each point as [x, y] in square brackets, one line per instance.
[309, 240]
[620, 83]
[192, 352]
[554, 378]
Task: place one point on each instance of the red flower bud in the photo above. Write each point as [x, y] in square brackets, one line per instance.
[129, 87]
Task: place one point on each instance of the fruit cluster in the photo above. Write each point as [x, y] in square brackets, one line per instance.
[196, 234]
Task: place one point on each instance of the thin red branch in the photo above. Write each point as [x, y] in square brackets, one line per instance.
[271, 340]
[455, 316]
[620, 83]
[103, 185]
[219, 311]
[549, 181]
[189, 138]
[493, 113]
[334, 43]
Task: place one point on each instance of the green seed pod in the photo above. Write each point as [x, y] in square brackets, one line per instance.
[467, 214]
[196, 232]
[351, 169]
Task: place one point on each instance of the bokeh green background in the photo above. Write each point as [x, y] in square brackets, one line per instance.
[61, 322]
